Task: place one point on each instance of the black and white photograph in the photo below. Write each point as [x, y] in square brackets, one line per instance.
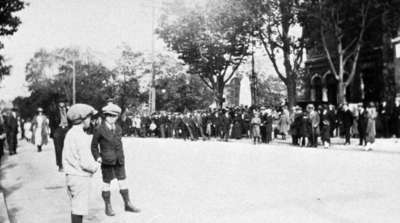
[199, 111]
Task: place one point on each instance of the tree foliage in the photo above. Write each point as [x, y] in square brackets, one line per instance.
[212, 40]
[181, 92]
[49, 77]
[9, 23]
[341, 30]
[276, 26]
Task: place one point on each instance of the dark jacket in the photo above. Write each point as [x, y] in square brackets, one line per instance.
[55, 119]
[110, 143]
[11, 125]
[347, 119]
[362, 122]
[224, 123]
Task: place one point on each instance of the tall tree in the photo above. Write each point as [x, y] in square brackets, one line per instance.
[49, 75]
[276, 25]
[212, 39]
[8, 26]
[339, 28]
[181, 92]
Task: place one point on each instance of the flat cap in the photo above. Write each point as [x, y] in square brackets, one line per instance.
[79, 112]
[111, 109]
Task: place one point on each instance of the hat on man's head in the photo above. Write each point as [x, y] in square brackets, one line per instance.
[62, 99]
[79, 112]
[111, 109]
[40, 109]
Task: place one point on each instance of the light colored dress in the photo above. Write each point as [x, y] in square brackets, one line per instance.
[27, 130]
[371, 128]
[40, 130]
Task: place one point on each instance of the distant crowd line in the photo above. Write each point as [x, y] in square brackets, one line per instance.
[309, 126]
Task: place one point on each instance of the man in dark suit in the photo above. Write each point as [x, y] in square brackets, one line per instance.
[12, 131]
[59, 127]
[384, 115]
[396, 118]
[225, 125]
[107, 149]
[347, 120]
[362, 124]
[2, 135]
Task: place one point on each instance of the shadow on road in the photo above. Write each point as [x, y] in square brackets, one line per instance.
[10, 188]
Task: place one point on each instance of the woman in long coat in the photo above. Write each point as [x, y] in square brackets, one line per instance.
[371, 128]
[284, 123]
[40, 130]
[237, 126]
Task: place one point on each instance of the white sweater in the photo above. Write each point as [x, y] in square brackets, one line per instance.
[77, 157]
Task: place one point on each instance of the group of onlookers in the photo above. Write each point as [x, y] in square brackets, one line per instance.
[307, 125]
[326, 122]
[234, 123]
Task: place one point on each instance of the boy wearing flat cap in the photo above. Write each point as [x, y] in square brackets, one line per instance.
[107, 149]
[78, 162]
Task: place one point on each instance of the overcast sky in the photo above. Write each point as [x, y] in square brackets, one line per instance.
[101, 25]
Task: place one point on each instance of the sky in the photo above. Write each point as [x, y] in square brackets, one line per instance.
[101, 25]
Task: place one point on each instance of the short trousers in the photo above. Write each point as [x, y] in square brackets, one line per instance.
[78, 189]
[110, 172]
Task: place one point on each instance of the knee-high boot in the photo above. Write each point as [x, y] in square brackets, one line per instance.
[108, 208]
[128, 204]
[76, 218]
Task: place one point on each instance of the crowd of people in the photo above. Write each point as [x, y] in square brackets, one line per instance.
[93, 141]
[308, 126]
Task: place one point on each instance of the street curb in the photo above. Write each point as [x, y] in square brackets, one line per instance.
[3, 210]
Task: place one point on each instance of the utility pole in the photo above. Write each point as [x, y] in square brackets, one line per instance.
[73, 82]
[152, 93]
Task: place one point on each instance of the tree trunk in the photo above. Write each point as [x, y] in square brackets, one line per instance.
[291, 93]
[219, 92]
[341, 97]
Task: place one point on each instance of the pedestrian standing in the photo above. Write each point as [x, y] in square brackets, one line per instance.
[325, 128]
[40, 129]
[58, 129]
[396, 118]
[78, 161]
[2, 136]
[362, 124]
[107, 149]
[28, 130]
[255, 123]
[314, 119]
[371, 129]
[284, 123]
[12, 131]
[236, 126]
[384, 117]
[347, 120]
[226, 125]
[295, 126]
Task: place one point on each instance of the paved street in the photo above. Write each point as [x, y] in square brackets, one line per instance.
[175, 181]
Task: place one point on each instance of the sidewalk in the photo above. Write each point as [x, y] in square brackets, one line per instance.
[161, 169]
[33, 188]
